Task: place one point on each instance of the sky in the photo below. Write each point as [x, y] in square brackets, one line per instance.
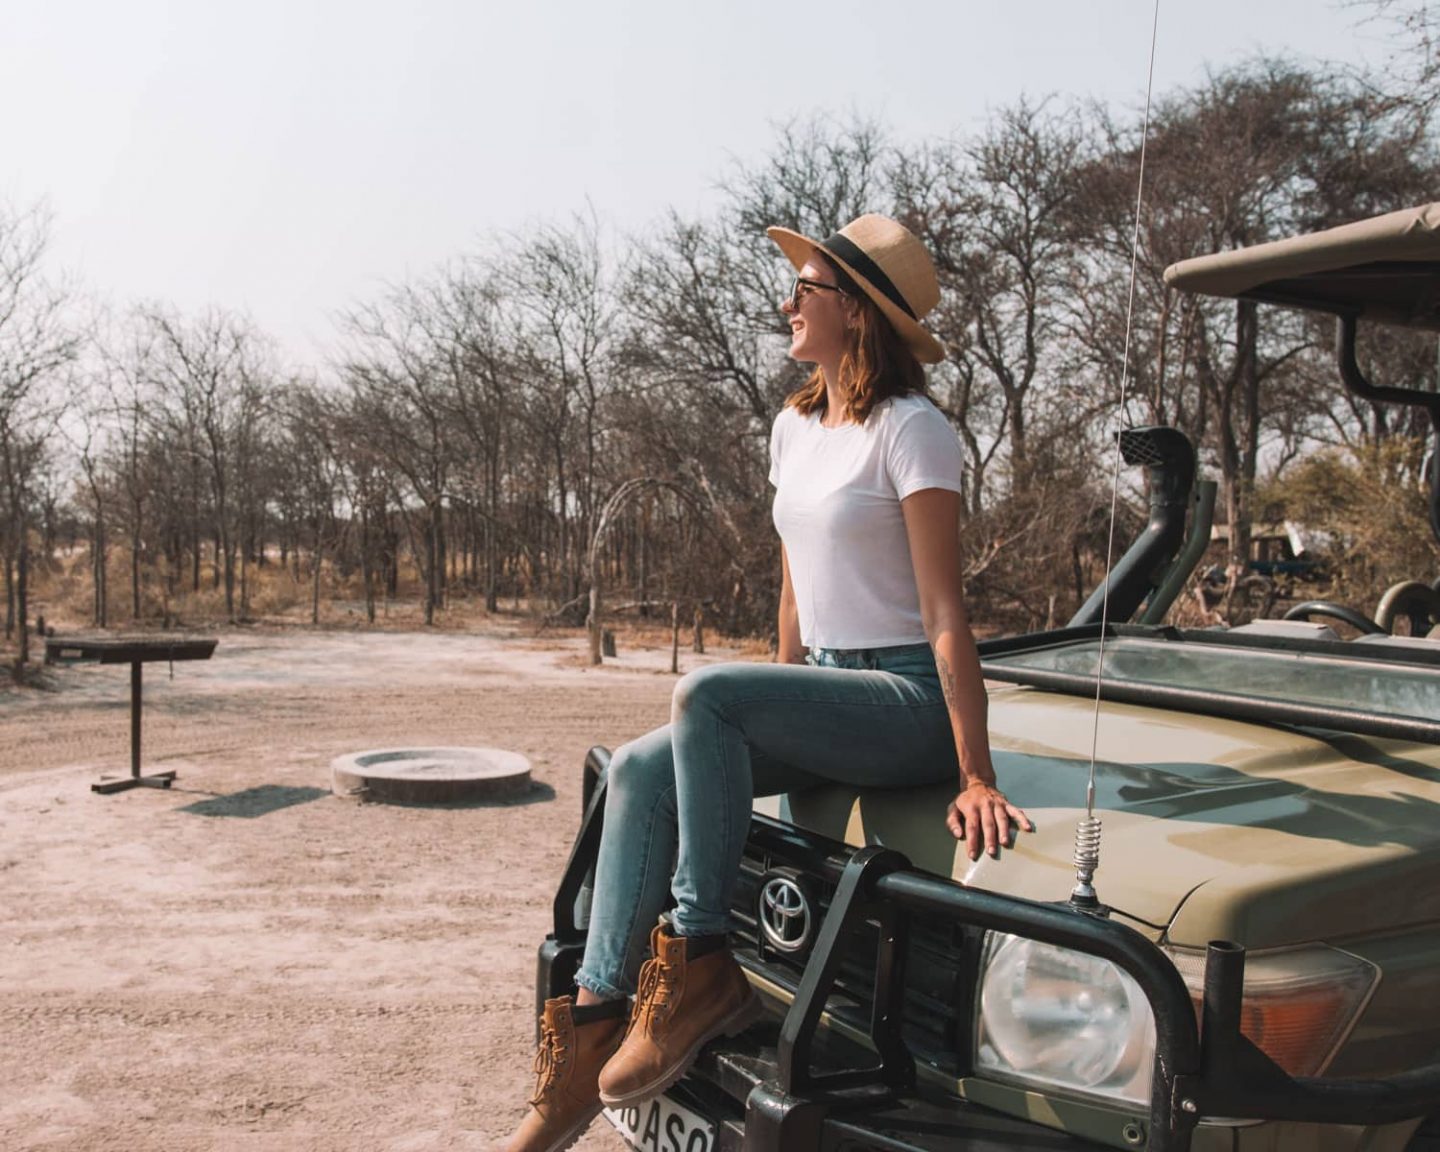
[290, 159]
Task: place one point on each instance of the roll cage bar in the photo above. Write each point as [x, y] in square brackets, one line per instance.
[1384, 270]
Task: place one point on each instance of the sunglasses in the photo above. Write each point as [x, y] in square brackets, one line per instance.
[801, 287]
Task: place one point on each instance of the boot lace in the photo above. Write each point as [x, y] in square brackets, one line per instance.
[550, 1057]
[655, 996]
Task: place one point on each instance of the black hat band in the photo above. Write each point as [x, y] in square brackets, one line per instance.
[848, 251]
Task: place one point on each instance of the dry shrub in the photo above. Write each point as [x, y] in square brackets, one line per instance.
[62, 592]
[1375, 511]
[275, 593]
[1033, 558]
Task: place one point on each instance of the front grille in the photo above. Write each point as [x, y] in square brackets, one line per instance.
[939, 957]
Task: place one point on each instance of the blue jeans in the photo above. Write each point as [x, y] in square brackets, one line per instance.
[681, 795]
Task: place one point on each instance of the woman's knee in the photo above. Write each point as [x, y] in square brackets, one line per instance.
[641, 765]
[709, 688]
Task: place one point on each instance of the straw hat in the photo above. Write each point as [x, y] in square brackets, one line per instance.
[888, 264]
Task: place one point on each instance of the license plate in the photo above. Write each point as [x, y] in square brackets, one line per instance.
[663, 1125]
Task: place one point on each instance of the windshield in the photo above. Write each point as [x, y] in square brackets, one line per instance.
[1282, 676]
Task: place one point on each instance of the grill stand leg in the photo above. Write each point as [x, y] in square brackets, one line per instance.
[135, 780]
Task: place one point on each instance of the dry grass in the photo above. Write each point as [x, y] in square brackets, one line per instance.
[62, 593]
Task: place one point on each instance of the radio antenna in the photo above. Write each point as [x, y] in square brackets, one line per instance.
[1087, 834]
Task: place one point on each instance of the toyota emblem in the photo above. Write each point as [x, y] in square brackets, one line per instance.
[784, 914]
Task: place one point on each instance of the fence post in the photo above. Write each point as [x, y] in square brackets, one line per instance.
[675, 637]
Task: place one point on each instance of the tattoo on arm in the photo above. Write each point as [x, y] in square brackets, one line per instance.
[947, 681]
[974, 755]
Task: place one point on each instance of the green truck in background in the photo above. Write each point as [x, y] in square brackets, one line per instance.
[1235, 946]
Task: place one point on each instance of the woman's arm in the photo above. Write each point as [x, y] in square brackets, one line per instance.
[791, 650]
[980, 813]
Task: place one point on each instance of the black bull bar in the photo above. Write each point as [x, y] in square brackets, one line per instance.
[1205, 1069]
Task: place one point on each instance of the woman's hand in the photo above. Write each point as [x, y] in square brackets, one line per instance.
[982, 816]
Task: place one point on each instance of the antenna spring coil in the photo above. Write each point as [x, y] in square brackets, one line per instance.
[1087, 844]
[1087, 860]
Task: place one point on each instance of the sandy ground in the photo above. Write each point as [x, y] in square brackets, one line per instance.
[247, 961]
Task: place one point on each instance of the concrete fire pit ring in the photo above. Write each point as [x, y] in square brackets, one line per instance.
[430, 775]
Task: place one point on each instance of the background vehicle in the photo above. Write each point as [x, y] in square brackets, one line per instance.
[1261, 961]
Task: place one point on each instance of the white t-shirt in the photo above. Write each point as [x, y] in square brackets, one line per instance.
[837, 509]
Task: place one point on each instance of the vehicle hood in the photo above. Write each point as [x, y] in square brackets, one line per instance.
[1212, 829]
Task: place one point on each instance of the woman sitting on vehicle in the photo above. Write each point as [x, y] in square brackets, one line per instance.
[876, 684]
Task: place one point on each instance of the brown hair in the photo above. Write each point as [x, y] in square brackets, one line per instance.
[877, 365]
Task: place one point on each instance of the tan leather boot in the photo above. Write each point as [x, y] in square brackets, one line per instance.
[681, 1006]
[567, 1064]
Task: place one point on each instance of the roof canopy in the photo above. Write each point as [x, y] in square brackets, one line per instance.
[1385, 269]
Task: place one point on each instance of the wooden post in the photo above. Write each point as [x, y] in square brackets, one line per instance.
[22, 604]
[592, 624]
[675, 637]
[135, 682]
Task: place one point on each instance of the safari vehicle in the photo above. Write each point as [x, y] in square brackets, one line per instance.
[1247, 959]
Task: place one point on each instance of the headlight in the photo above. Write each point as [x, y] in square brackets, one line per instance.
[1050, 1018]
[1061, 1019]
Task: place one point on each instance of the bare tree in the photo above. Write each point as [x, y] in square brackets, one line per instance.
[35, 343]
[820, 175]
[994, 214]
[469, 318]
[1410, 79]
[213, 373]
[486, 410]
[1256, 153]
[401, 393]
[125, 403]
[309, 443]
[86, 439]
[367, 482]
[564, 288]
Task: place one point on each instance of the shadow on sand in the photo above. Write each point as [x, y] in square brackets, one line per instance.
[267, 798]
[255, 802]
